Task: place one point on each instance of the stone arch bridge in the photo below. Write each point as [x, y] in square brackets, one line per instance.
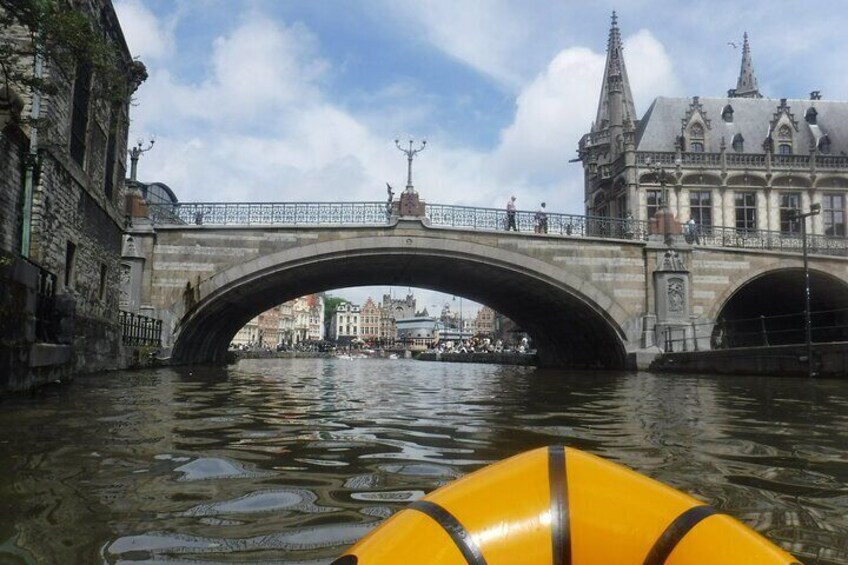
[590, 291]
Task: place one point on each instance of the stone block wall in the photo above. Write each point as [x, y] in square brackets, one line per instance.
[71, 202]
[12, 150]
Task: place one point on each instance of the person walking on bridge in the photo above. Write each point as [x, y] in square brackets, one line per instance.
[542, 219]
[510, 214]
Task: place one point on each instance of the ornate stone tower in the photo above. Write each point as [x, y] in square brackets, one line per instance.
[610, 144]
[746, 85]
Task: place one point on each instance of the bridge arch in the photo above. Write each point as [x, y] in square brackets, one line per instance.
[573, 322]
[777, 294]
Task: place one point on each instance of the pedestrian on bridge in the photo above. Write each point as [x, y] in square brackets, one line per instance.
[542, 219]
[510, 214]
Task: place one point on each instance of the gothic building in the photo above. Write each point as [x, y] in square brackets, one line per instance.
[739, 161]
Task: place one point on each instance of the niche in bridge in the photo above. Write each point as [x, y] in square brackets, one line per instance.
[769, 310]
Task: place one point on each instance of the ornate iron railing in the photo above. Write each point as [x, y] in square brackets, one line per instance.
[472, 218]
[770, 240]
[494, 219]
[140, 330]
[270, 213]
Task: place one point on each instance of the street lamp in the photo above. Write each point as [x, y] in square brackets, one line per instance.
[460, 318]
[663, 211]
[815, 209]
[410, 153]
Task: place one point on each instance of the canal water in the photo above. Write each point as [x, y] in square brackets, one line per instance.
[291, 461]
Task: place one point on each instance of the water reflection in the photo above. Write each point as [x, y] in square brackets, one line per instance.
[291, 461]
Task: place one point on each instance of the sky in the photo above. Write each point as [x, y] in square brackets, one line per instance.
[301, 100]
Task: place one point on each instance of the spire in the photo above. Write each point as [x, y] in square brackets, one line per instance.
[615, 82]
[746, 86]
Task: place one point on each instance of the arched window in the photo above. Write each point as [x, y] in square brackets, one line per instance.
[824, 144]
[784, 140]
[696, 138]
[738, 143]
[727, 114]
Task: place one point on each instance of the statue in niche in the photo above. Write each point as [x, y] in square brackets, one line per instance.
[125, 277]
[676, 300]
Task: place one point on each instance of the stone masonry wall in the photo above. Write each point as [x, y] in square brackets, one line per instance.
[12, 151]
[70, 203]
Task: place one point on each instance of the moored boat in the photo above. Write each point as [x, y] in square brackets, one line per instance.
[564, 507]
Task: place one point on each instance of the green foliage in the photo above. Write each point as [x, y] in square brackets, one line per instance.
[330, 305]
[64, 35]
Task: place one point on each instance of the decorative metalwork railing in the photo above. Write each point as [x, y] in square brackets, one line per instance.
[15, 306]
[270, 213]
[472, 218]
[771, 240]
[494, 219]
[140, 330]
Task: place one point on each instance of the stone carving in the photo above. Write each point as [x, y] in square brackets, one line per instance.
[671, 261]
[125, 277]
[676, 299]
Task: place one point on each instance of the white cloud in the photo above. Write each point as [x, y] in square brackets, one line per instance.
[261, 126]
[148, 38]
[483, 35]
[650, 70]
[558, 107]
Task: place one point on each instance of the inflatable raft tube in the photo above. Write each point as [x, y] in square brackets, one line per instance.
[564, 507]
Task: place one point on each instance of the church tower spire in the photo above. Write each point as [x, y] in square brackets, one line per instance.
[615, 106]
[746, 85]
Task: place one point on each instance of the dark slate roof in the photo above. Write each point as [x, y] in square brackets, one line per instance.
[752, 117]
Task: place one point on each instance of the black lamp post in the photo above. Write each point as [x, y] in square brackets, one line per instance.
[663, 210]
[815, 209]
[460, 318]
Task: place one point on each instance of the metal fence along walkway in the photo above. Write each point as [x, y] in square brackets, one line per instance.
[350, 214]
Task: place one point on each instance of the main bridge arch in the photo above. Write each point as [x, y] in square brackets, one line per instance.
[573, 321]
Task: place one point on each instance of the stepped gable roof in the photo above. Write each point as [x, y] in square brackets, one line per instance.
[662, 124]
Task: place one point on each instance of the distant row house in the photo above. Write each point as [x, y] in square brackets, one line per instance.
[289, 324]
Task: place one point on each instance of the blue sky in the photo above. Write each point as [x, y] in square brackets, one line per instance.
[284, 100]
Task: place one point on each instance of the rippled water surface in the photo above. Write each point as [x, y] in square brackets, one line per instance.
[291, 461]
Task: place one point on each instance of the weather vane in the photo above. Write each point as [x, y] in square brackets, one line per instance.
[410, 153]
[137, 152]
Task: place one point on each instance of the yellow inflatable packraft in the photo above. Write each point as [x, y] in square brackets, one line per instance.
[561, 506]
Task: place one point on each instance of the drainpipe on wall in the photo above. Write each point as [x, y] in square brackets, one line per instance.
[31, 158]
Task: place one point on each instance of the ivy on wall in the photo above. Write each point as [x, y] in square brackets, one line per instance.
[62, 32]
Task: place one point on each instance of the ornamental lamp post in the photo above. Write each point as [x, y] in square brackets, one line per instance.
[135, 152]
[410, 153]
[460, 318]
[663, 211]
[797, 215]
